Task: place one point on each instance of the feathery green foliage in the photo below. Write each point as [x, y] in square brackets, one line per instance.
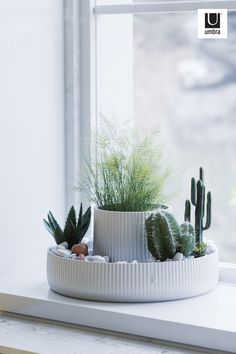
[74, 230]
[129, 172]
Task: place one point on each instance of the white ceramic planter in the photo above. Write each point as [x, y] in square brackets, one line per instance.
[120, 235]
[129, 282]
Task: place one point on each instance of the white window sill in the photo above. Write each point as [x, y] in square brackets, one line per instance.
[44, 336]
[207, 321]
[52, 337]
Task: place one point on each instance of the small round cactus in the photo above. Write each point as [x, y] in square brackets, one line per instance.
[187, 239]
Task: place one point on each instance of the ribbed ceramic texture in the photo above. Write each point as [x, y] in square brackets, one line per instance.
[120, 235]
[127, 282]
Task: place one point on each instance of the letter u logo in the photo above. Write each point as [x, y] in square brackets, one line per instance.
[212, 20]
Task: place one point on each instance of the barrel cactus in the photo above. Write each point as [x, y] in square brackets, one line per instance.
[162, 233]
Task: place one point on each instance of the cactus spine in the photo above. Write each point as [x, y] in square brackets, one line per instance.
[198, 200]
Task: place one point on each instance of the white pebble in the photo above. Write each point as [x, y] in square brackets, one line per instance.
[121, 262]
[85, 240]
[90, 244]
[90, 251]
[63, 252]
[178, 256]
[98, 259]
[60, 247]
[107, 258]
[189, 257]
[88, 258]
[64, 244]
[80, 257]
[73, 256]
[211, 247]
[134, 262]
[53, 250]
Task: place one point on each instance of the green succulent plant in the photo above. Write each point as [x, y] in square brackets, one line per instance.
[74, 229]
[200, 249]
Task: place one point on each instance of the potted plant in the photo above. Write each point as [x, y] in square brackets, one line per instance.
[183, 264]
[126, 183]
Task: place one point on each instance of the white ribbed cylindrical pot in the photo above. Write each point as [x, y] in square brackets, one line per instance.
[120, 235]
[132, 282]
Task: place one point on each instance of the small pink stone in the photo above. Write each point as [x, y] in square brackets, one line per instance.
[81, 257]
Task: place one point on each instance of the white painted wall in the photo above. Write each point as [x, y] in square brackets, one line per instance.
[31, 129]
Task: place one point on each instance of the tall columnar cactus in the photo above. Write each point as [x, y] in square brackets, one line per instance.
[162, 233]
[187, 212]
[198, 200]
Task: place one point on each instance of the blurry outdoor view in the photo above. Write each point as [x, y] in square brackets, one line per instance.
[186, 88]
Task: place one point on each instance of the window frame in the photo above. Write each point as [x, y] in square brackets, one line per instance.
[80, 90]
[164, 6]
[80, 34]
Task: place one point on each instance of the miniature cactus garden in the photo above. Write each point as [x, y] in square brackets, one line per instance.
[180, 261]
[166, 239]
[139, 252]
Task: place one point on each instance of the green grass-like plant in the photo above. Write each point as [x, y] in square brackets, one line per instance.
[129, 172]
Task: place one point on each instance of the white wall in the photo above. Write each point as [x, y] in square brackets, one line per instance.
[31, 129]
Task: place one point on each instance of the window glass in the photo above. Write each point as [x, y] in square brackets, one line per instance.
[185, 87]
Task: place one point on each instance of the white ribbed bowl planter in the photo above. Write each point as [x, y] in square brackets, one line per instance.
[120, 235]
[130, 282]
